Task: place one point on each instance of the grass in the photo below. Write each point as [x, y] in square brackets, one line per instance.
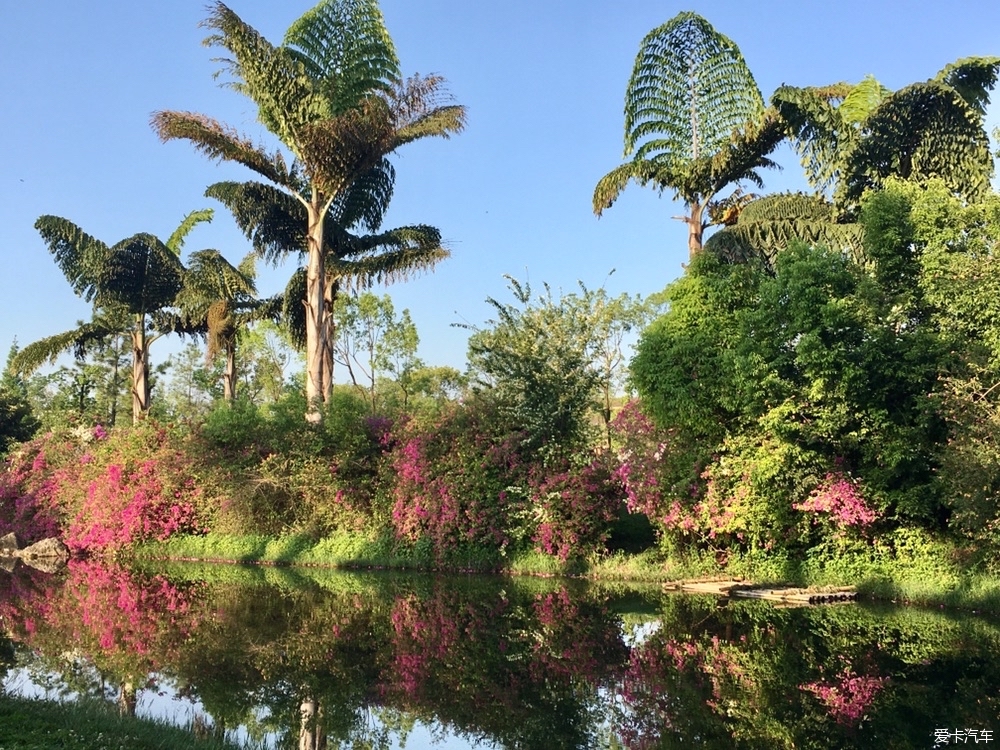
[910, 567]
[34, 724]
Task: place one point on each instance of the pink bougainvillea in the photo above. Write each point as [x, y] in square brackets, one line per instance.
[847, 697]
[576, 507]
[839, 496]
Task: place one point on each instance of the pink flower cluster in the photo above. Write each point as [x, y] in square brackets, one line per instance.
[122, 508]
[577, 506]
[840, 497]
[848, 697]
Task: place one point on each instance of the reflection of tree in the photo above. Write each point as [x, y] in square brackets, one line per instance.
[358, 661]
[99, 624]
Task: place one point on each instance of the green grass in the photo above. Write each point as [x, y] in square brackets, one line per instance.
[32, 724]
[909, 567]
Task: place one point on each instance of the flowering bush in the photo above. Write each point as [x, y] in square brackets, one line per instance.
[449, 483]
[839, 496]
[576, 506]
[848, 697]
[105, 491]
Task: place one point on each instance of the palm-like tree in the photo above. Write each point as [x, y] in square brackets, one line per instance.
[218, 301]
[333, 95]
[129, 284]
[695, 121]
[851, 138]
[274, 223]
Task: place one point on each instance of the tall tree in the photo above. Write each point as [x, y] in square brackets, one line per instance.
[357, 252]
[852, 138]
[695, 121]
[17, 422]
[128, 283]
[334, 97]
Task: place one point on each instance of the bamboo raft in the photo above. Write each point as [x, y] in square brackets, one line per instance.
[785, 595]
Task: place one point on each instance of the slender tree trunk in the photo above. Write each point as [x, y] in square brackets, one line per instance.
[330, 291]
[140, 371]
[316, 319]
[127, 695]
[311, 734]
[229, 374]
[695, 229]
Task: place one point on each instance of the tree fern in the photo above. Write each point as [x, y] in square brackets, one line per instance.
[695, 121]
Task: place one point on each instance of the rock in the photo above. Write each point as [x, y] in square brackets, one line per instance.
[47, 548]
[8, 544]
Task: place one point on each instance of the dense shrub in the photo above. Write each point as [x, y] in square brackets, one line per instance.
[454, 482]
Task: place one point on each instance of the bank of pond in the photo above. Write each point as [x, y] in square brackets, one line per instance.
[281, 657]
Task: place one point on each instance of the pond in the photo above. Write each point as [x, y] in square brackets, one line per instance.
[298, 658]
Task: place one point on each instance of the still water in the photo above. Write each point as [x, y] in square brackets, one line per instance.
[282, 658]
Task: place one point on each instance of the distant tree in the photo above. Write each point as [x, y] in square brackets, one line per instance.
[17, 420]
[333, 95]
[695, 121]
[372, 340]
[853, 137]
[129, 283]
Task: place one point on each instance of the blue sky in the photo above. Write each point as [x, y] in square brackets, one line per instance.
[543, 81]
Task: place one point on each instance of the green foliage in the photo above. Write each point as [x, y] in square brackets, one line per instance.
[371, 341]
[767, 381]
[535, 358]
[17, 420]
[694, 120]
[856, 137]
[88, 725]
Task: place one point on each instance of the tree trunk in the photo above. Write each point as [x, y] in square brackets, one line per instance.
[330, 291]
[311, 734]
[127, 695]
[229, 374]
[140, 371]
[695, 229]
[316, 319]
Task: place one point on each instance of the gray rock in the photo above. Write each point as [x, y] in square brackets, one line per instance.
[8, 544]
[47, 548]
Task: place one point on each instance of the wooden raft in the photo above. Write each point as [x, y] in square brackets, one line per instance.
[787, 595]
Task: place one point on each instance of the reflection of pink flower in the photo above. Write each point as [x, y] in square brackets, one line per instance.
[848, 697]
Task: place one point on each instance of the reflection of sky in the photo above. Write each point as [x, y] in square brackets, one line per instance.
[163, 704]
[635, 634]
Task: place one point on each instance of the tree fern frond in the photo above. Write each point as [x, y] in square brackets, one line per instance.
[336, 151]
[422, 107]
[614, 182]
[973, 78]
[691, 86]
[79, 256]
[34, 355]
[219, 142]
[924, 130]
[293, 311]
[344, 46]
[817, 129]
[189, 222]
[388, 267]
[141, 274]
[365, 201]
[273, 221]
[862, 100]
[767, 225]
[271, 76]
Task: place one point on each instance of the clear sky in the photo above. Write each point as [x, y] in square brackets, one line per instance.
[543, 81]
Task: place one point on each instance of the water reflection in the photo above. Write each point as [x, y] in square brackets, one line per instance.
[342, 660]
